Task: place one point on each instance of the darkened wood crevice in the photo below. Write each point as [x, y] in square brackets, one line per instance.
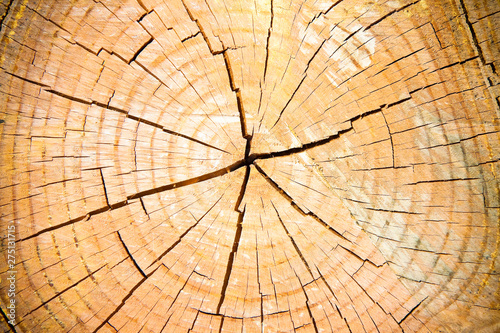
[236, 242]
[7, 320]
[269, 31]
[207, 176]
[126, 113]
[124, 300]
[383, 114]
[294, 205]
[65, 290]
[230, 262]
[171, 247]
[130, 254]
[7, 12]
[389, 14]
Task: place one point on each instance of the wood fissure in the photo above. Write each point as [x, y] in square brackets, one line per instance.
[237, 166]
[126, 113]
[2, 19]
[130, 254]
[179, 239]
[269, 31]
[230, 262]
[297, 208]
[124, 300]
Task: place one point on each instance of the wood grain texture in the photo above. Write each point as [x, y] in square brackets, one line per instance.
[263, 166]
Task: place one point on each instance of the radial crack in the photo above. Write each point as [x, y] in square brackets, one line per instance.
[228, 67]
[171, 247]
[27, 80]
[138, 195]
[291, 151]
[359, 258]
[130, 293]
[237, 237]
[8, 321]
[140, 50]
[267, 42]
[113, 108]
[65, 290]
[237, 91]
[294, 205]
[202, 31]
[289, 100]
[371, 25]
[77, 219]
[324, 13]
[190, 181]
[439, 181]
[307, 303]
[104, 187]
[472, 32]
[130, 254]
[260, 287]
[293, 241]
[236, 242]
[243, 189]
[411, 311]
[194, 140]
[7, 10]
[310, 145]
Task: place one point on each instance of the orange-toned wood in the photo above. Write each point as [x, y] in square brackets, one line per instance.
[235, 166]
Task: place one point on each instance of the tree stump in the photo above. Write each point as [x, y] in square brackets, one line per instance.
[239, 166]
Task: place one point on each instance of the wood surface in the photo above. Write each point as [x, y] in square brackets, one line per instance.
[251, 166]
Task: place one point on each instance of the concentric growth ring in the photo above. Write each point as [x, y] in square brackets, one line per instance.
[238, 166]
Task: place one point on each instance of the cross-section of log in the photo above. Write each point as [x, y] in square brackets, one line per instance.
[238, 166]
